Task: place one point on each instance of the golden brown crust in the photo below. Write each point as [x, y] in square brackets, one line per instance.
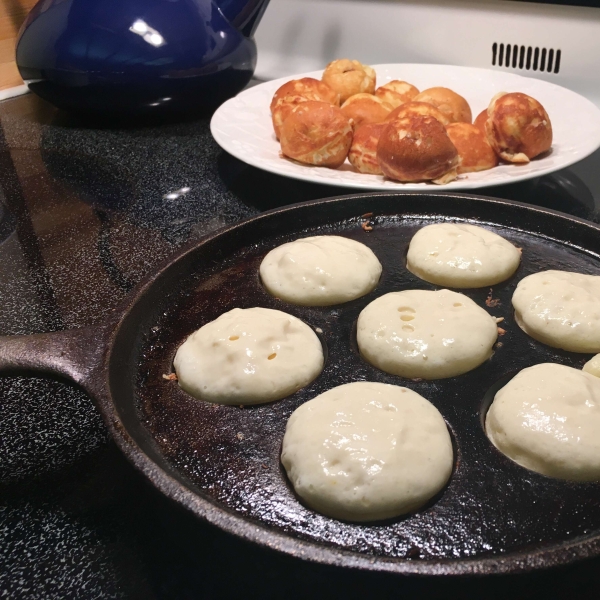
[473, 148]
[396, 92]
[454, 106]
[363, 152]
[422, 109]
[349, 77]
[480, 120]
[417, 148]
[366, 108]
[310, 88]
[316, 133]
[283, 109]
[518, 128]
[294, 92]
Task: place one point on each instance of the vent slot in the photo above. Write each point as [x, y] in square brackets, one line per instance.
[526, 57]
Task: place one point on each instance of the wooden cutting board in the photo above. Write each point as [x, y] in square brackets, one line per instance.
[12, 15]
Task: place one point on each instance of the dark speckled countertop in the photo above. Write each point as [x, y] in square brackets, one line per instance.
[86, 210]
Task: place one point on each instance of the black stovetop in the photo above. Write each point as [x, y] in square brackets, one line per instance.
[86, 211]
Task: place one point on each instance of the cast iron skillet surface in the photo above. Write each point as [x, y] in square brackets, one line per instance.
[222, 462]
[230, 455]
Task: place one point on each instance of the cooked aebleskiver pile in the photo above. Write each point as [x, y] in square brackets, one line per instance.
[415, 145]
[453, 105]
[460, 255]
[348, 77]
[518, 127]
[367, 451]
[294, 92]
[561, 309]
[249, 356]
[480, 120]
[422, 109]
[396, 92]
[320, 270]
[417, 148]
[515, 126]
[474, 150]
[316, 133]
[363, 152]
[547, 419]
[366, 108]
[420, 333]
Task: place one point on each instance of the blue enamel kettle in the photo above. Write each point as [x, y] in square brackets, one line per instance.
[138, 56]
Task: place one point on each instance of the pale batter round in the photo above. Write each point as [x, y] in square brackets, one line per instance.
[367, 451]
[561, 309]
[459, 255]
[592, 366]
[320, 270]
[249, 356]
[547, 419]
[426, 334]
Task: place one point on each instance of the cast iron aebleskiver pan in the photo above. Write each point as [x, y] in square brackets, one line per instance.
[222, 462]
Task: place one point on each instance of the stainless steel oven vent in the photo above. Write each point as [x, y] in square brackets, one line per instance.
[526, 57]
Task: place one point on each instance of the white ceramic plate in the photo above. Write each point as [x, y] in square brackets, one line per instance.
[242, 126]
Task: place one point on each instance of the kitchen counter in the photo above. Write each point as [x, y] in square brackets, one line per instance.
[86, 210]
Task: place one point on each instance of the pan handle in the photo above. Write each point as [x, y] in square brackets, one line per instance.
[75, 353]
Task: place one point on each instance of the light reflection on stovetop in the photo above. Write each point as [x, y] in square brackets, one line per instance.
[7, 220]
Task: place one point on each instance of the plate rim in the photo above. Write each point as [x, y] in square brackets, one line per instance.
[421, 186]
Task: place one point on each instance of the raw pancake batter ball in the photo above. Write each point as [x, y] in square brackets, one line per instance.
[367, 451]
[366, 108]
[349, 77]
[454, 106]
[363, 152]
[431, 335]
[249, 356]
[396, 92]
[473, 148]
[561, 309]
[320, 270]
[518, 128]
[318, 134]
[592, 366]
[417, 148]
[292, 93]
[547, 419]
[420, 109]
[461, 256]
